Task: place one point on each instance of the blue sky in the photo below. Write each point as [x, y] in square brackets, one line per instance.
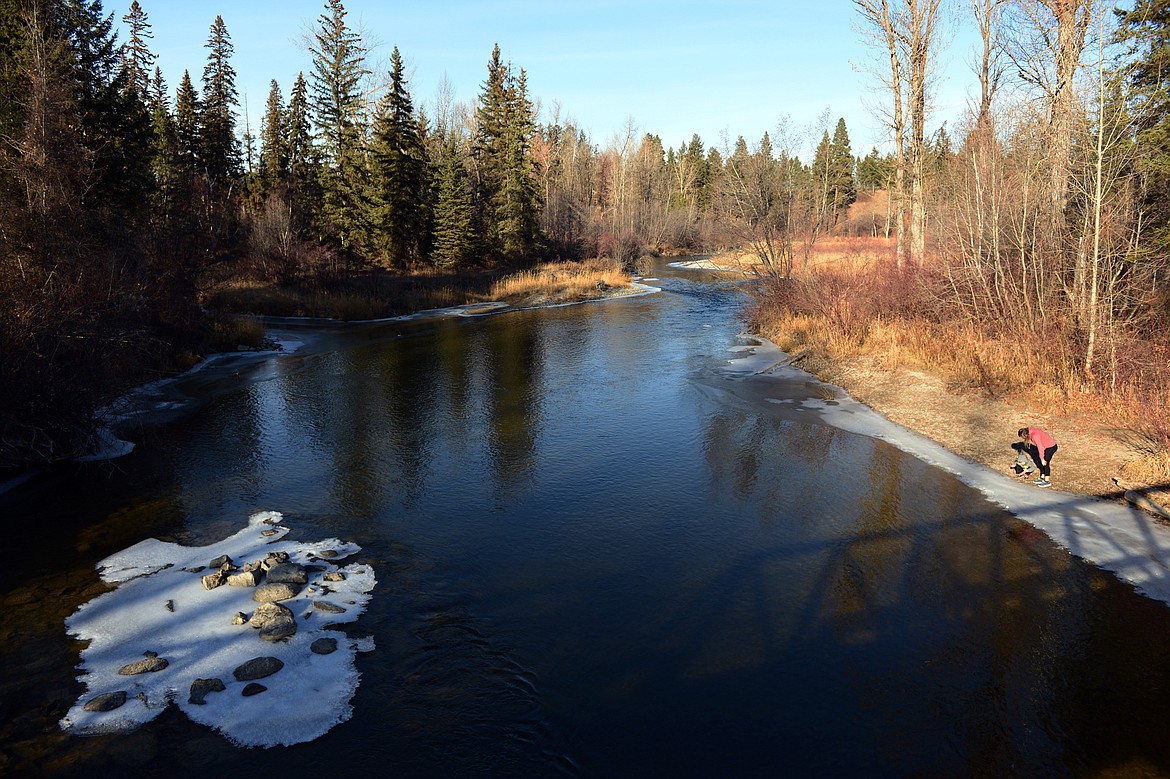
[676, 68]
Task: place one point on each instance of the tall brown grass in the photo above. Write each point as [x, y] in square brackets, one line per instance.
[560, 282]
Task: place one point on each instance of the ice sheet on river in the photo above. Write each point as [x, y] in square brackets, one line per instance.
[1114, 536]
[159, 607]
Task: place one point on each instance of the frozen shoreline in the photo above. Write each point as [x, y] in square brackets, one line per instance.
[1113, 536]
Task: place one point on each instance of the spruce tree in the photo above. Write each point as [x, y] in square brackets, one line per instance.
[336, 104]
[164, 154]
[509, 195]
[298, 138]
[273, 143]
[218, 146]
[454, 236]
[1145, 31]
[187, 109]
[518, 202]
[137, 59]
[844, 186]
[399, 173]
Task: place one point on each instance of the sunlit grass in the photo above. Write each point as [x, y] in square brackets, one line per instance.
[561, 282]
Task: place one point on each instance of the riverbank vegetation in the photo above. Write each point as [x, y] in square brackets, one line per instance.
[1029, 259]
[1024, 248]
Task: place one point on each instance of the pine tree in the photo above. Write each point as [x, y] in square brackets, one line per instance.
[338, 69]
[137, 58]
[488, 151]
[298, 140]
[187, 110]
[274, 156]
[1145, 30]
[399, 173]
[844, 186]
[219, 148]
[454, 236]
[517, 203]
[164, 156]
[875, 170]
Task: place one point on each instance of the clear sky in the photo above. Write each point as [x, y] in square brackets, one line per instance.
[676, 68]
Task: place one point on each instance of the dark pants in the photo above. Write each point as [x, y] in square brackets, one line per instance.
[1034, 452]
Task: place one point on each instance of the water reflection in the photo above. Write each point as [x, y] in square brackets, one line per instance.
[599, 556]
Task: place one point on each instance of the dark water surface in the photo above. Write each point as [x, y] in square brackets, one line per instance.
[593, 560]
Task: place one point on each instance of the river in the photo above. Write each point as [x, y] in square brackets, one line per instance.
[600, 551]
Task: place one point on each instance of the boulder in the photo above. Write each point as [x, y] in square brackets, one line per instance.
[220, 561]
[213, 580]
[242, 579]
[327, 607]
[257, 668]
[334, 576]
[323, 646]
[148, 664]
[252, 688]
[270, 592]
[239, 618]
[268, 613]
[200, 688]
[278, 631]
[106, 701]
[274, 621]
[288, 573]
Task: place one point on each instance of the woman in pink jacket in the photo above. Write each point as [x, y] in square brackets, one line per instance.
[1040, 447]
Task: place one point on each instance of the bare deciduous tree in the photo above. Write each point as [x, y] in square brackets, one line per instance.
[906, 31]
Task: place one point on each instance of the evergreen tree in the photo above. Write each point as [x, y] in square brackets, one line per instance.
[218, 146]
[844, 185]
[187, 109]
[137, 59]
[114, 124]
[454, 236]
[164, 156]
[509, 193]
[875, 170]
[13, 78]
[298, 140]
[518, 202]
[1145, 30]
[835, 188]
[399, 173]
[338, 69]
[274, 156]
[302, 184]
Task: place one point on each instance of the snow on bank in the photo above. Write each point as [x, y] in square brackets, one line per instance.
[1116, 537]
[160, 606]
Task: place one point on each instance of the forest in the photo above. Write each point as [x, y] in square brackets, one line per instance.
[1025, 247]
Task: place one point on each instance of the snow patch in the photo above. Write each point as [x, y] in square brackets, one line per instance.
[160, 606]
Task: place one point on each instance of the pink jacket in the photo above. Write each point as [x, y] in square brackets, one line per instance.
[1040, 439]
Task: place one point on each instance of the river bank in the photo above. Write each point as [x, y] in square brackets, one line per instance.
[1096, 457]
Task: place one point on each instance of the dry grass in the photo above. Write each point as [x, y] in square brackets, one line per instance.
[366, 295]
[229, 332]
[853, 309]
[564, 282]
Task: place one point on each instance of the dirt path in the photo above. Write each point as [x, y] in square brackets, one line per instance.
[982, 429]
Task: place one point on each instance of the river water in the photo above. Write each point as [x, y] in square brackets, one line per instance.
[598, 554]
